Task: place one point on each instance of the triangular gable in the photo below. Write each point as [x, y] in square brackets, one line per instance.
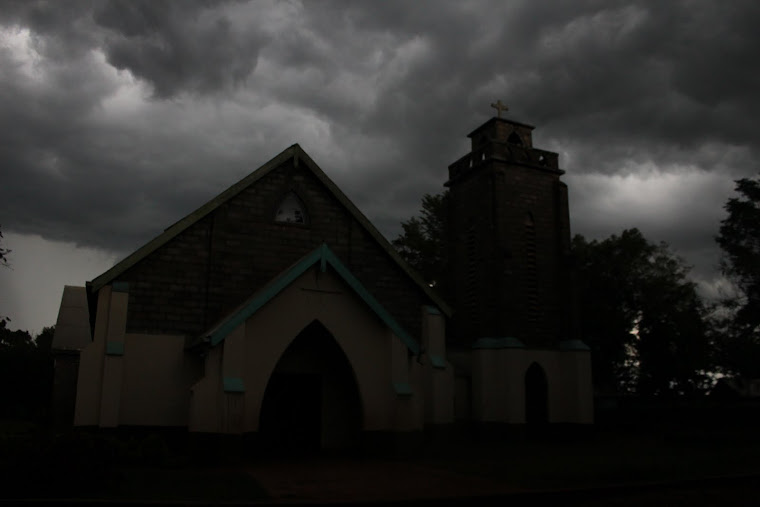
[298, 155]
[324, 256]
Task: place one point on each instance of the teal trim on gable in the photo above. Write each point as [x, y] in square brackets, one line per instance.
[573, 345]
[233, 385]
[368, 298]
[437, 361]
[402, 388]
[114, 348]
[498, 343]
[432, 310]
[324, 256]
[120, 287]
[263, 297]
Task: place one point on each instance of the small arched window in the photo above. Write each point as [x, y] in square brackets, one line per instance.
[514, 138]
[291, 210]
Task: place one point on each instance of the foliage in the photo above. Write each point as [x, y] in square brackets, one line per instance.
[423, 242]
[739, 238]
[25, 373]
[3, 252]
[641, 316]
[3, 262]
[44, 340]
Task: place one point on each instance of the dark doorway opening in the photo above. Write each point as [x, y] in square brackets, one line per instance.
[536, 396]
[311, 402]
[292, 419]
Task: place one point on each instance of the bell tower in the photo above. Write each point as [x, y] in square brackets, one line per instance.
[509, 239]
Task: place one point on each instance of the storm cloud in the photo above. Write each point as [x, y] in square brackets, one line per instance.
[120, 117]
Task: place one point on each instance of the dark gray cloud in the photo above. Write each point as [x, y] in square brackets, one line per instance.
[188, 46]
[120, 117]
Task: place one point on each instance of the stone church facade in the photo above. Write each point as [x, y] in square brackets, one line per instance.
[278, 309]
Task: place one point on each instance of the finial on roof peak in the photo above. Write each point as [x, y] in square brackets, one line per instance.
[499, 106]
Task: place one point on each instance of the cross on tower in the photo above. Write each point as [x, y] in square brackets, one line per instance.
[499, 107]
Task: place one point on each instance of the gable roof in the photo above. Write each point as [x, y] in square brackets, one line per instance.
[325, 257]
[298, 155]
[72, 328]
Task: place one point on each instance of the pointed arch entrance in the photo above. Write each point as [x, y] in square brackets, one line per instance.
[536, 395]
[311, 401]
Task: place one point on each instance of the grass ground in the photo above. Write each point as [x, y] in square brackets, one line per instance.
[607, 458]
[36, 464]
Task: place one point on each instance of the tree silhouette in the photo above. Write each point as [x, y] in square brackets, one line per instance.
[641, 316]
[25, 373]
[739, 238]
[423, 242]
[3, 251]
[3, 262]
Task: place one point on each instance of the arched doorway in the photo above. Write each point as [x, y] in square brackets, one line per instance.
[536, 396]
[311, 401]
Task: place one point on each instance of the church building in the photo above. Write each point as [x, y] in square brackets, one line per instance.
[278, 309]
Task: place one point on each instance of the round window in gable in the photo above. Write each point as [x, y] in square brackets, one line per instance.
[291, 210]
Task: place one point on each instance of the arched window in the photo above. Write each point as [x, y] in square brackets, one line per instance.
[514, 138]
[291, 210]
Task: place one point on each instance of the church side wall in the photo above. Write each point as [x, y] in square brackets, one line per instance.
[499, 388]
[132, 379]
[156, 380]
[205, 396]
[90, 378]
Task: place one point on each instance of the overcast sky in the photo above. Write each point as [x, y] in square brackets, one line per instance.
[118, 118]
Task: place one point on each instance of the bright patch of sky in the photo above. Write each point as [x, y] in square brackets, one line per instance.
[34, 279]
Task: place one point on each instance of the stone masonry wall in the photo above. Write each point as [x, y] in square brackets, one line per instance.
[509, 247]
[200, 276]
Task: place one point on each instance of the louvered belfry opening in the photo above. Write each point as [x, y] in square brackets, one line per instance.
[531, 268]
[471, 277]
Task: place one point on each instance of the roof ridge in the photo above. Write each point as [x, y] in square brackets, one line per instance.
[191, 218]
[296, 152]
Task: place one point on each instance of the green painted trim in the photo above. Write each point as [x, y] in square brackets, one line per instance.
[573, 345]
[370, 228]
[402, 388]
[324, 256]
[493, 343]
[381, 312]
[120, 287]
[263, 297]
[114, 348]
[233, 385]
[437, 361]
[432, 310]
